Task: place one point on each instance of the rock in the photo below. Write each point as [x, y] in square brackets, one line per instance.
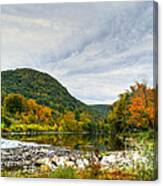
[72, 158]
[47, 162]
[86, 162]
[44, 161]
[80, 164]
[108, 159]
[59, 161]
[70, 164]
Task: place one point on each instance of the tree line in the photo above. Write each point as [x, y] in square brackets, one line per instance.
[135, 110]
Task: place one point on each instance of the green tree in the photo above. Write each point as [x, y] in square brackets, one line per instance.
[118, 116]
[15, 103]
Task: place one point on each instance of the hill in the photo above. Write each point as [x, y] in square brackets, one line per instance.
[102, 109]
[39, 86]
[45, 90]
[33, 100]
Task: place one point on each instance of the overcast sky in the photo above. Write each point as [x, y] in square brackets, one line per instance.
[96, 50]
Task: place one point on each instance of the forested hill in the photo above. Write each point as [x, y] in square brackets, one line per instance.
[101, 108]
[43, 88]
[39, 86]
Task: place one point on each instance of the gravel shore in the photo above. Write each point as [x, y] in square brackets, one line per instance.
[28, 156]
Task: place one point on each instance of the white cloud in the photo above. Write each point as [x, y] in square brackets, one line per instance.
[95, 49]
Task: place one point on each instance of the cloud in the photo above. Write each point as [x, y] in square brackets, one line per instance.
[96, 50]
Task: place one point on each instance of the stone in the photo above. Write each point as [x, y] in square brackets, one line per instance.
[47, 162]
[86, 162]
[80, 164]
[60, 161]
[69, 164]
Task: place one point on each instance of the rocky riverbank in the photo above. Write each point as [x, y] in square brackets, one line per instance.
[29, 156]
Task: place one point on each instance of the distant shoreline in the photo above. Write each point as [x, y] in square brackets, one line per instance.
[50, 132]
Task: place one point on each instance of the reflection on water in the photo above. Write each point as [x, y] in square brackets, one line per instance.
[72, 141]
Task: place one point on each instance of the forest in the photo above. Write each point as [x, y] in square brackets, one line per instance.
[33, 101]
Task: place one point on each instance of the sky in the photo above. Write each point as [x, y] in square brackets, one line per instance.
[95, 50]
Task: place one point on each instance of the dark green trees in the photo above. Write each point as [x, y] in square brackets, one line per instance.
[15, 103]
[118, 116]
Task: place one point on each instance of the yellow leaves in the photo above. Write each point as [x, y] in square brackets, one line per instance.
[25, 119]
[55, 126]
[69, 116]
[31, 103]
[35, 113]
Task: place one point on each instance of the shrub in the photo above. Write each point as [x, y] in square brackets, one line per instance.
[66, 172]
[14, 103]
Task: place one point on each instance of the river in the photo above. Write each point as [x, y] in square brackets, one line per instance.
[79, 141]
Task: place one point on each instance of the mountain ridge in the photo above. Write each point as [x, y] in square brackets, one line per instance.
[45, 89]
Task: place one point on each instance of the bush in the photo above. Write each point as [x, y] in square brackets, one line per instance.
[6, 122]
[66, 172]
[14, 103]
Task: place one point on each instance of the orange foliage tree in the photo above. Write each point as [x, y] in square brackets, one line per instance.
[37, 113]
[134, 109]
[141, 106]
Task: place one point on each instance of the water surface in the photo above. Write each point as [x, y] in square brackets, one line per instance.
[70, 140]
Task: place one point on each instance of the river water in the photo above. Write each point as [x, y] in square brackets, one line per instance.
[77, 141]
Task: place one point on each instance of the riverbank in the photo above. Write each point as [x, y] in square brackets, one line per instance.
[30, 157]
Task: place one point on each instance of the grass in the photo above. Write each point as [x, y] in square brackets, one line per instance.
[70, 173]
[27, 128]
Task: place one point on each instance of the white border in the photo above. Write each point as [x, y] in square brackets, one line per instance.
[56, 182]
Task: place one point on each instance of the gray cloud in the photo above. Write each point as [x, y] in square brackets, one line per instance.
[95, 49]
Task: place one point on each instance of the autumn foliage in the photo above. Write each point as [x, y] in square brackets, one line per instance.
[135, 109]
[142, 106]
[21, 114]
